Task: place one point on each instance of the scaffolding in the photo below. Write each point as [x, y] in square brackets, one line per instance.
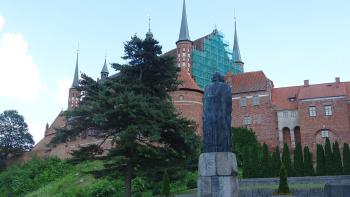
[213, 57]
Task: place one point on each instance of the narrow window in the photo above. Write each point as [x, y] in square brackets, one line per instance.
[312, 111]
[247, 120]
[328, 110]
[324, 133]
[256, 100]
[285, 114]
[243, 102]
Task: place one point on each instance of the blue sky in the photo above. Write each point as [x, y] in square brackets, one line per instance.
[289, 40]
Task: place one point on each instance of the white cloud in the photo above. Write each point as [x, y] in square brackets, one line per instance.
[62, 93]
[2, 22]
[19, 75]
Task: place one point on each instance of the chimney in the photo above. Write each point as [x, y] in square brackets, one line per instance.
[306, 83]
[337, 80]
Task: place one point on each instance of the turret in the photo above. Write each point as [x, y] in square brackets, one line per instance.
[184, 44]
[74, 93]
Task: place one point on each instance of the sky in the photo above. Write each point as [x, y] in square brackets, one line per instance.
[289, 40]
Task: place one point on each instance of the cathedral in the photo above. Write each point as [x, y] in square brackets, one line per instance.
[305, 114]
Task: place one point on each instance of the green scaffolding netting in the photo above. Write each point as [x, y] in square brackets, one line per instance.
[213, 57]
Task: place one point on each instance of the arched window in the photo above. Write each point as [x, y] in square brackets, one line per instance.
[181, 97]
[286, 136]
[297, 134]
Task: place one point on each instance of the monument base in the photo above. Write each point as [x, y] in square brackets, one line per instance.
[217, 175]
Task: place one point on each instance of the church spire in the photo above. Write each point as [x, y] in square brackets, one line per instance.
[75, 83]
[236, 51]
[184, 33]
[149, 34]
[104, 71]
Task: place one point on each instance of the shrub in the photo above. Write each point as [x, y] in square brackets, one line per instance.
[308, 167]
[286, 160]
[283, 187]
[276, 162]
[346, 158]
[320, 161]
[103, 188]
[165, 185]
[191, 184]
[266, 162]
[337, 164]
[328, 158]
[298, 160]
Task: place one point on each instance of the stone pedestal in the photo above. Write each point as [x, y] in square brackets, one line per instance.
[217, 175]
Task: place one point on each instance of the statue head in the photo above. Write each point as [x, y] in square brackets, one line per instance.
[217, 77]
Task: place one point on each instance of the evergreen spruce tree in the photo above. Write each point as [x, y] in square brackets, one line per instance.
[266, 162]
[276, 162]
[134, 110]
[298, 161]
[320, 161]
[346, 159]
[283, 187]
[165, 192]
[328, 155]
[337, 163]
[308, 167]
[287, 161]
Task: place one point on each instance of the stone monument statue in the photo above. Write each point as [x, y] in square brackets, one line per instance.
[217, 165]
[217, 116]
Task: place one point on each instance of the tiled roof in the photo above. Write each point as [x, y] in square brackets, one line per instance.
[322, 90]
[187, 81]
[249, 82]
[285, 98]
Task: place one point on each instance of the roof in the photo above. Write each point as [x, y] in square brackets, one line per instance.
[236, 51]
[184, 33]
[322, 90]
[76, 74]
[249, 82]
[187, 81]
[285, 98]
[105, 67]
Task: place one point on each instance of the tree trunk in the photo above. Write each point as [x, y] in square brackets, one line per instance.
[128, 177]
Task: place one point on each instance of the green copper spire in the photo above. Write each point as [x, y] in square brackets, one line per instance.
[75, 83]
[149, 34]
[236, 51]
[184, 33]
[104, 71]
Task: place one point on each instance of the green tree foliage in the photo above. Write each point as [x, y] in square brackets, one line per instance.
[328, 158]
[308, 166]
[242, 138]
[266, 162]
[247, 164]
[298, 161]
[14, 135]
[287, 161]
[346, 159]
[320, 161]
[283, 187]
[337, 163]
[136, 112]
[165, 192]
[18, 180]
[276, 162]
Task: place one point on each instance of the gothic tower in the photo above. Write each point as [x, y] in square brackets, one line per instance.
[74, 93]
[184, 44]
[236, 52]
[104, 71]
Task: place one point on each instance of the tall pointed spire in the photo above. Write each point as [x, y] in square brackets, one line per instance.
[149, 34]
[184, 33]
[75, 83]
[104, 71]
[236, 51]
